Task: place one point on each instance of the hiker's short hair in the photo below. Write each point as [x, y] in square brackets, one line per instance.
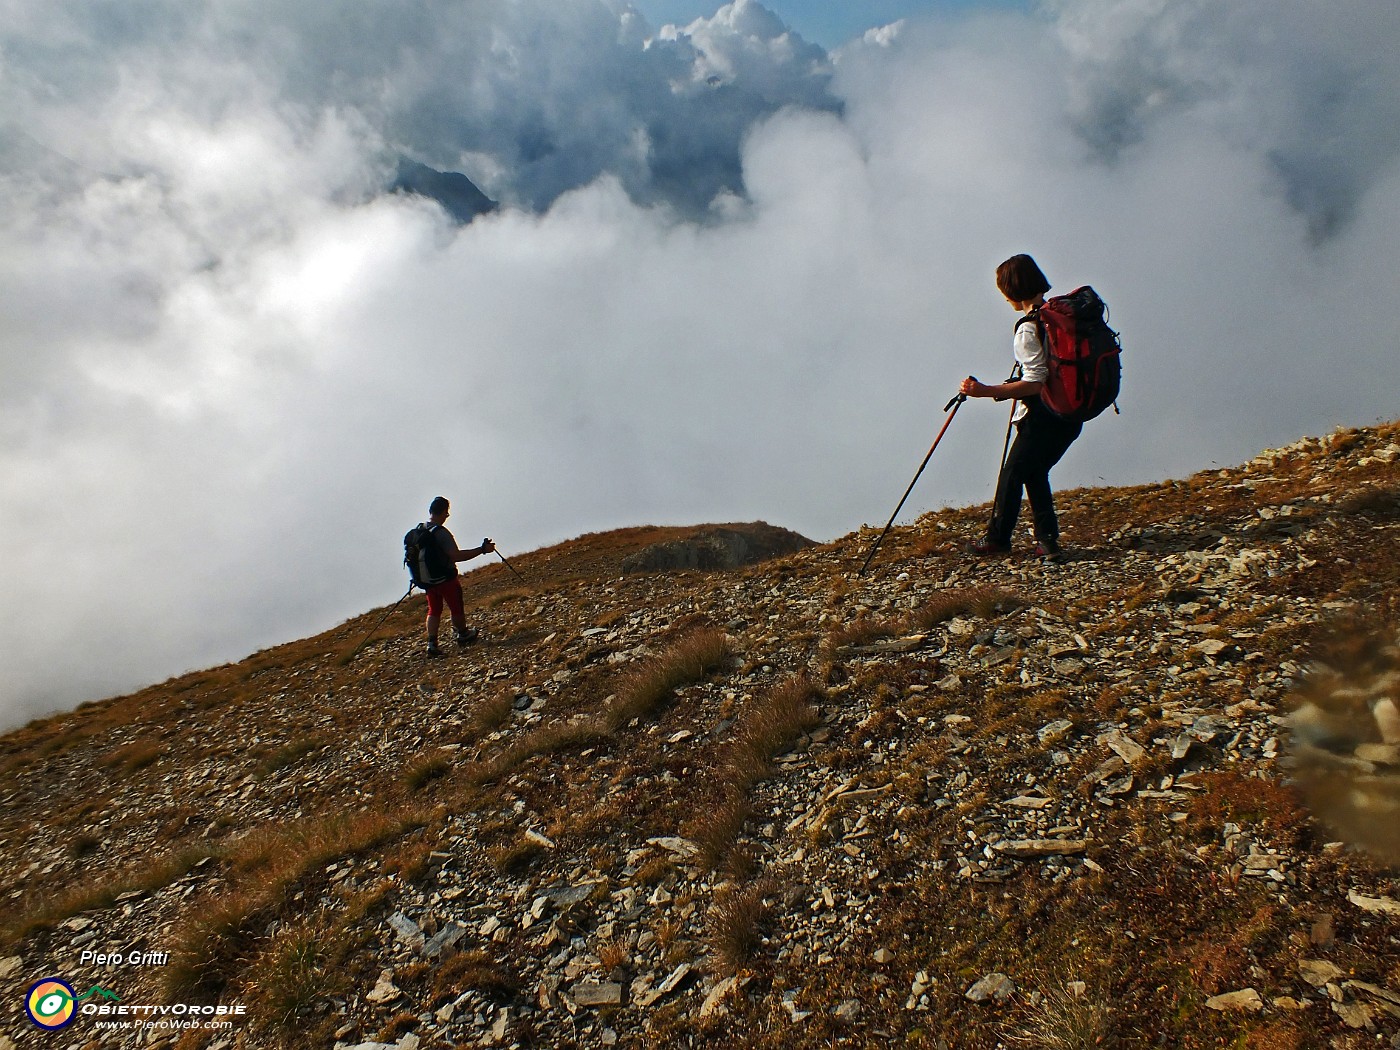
[439, 505]
[1020, 279]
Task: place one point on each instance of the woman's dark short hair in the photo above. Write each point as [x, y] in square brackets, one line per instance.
[438, 505]
[1020, 279]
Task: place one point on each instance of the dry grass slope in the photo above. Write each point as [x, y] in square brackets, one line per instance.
[996, 805]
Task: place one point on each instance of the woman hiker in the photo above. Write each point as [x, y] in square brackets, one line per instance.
[1041, 436]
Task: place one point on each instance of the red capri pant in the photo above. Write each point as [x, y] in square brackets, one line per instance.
[450, 592]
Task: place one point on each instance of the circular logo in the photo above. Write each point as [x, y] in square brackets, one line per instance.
[51, 1003]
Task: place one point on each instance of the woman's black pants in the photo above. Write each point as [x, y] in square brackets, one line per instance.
[1041, 439]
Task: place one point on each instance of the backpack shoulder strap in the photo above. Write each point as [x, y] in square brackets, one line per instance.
[1030, 318]
[1033, 318]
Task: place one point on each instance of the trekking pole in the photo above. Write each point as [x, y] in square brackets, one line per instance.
[1001, 468]
[355, 651]
[1005, 445]
[952, 409]
[487, 542]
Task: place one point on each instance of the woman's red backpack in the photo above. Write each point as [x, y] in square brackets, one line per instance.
[1082, 353]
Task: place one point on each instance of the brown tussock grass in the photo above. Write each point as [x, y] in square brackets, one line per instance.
[400, 1024]
[1061, 1020]
[554, 738]
[359, 904]
[611, 619]
[423, 770]
[489, 714]
[289, 754]
[316, 841]
[655, 871]
[1343, 440]
[645, 689]
[218, 941]
[289, 976]
[718, 826]
[409, 860]
[641, 692]
[144, 876]
[613, 953]
[939, 608]
[515, 858]
[474, 971]
[499, 598]
[972, 601]
[1230, 797]
[668, 933]
[858, 632]
[134, 756]
[736, 925]
[767, 727]
[1046, 702]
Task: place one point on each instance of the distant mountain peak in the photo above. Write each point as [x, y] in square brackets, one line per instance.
[456, 193]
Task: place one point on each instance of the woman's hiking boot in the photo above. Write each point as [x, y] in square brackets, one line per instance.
[1047, 549]
[467, 636]
[988, 548]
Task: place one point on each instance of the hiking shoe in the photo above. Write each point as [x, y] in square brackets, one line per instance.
[433, 650]
[1049, 550]
[987, 547]
[468, 636]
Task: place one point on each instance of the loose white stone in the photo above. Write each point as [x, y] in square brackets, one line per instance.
[996, 986]
[674, 978]
[1246, 999]
[674, 844]
[384, 990]
[589, 994]
[1028, 802]
[1318, 972]
[1354, 1015]
[714, 1001]
[1384, 905]
[1056, 730]
[1129, 750]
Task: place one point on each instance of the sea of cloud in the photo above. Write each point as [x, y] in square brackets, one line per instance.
[733, 277]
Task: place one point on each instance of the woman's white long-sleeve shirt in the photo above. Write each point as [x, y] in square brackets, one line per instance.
[1030, 356]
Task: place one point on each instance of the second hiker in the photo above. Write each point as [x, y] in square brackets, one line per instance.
[448, 591]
